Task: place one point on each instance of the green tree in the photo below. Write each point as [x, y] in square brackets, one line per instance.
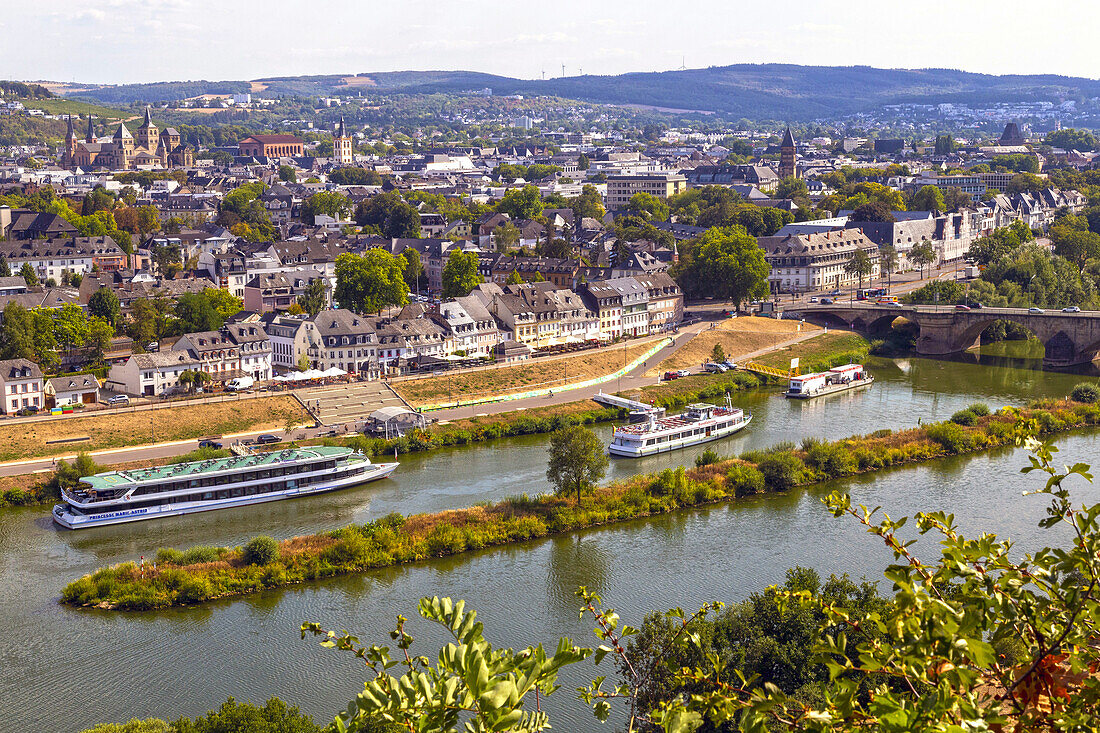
[955, 198]
[104, 304]
[312, 299]
[588, 205]
[1026, 182]
[506, 236]
[355, 177]
[582, 162]
[921, 255]
[791, 187]
[860, 264]
[928, 198]
[18, 333]
[1076, 246]
[460, 274]
[5, 269]
[648, 206]
[888, 260]
[872, 211]
[328, 203]
[233, 717]
[99, 336]
[194, 312]
[29, 275]
[371, 282]
[717, 354]
[1069, 138]
[725, 263]
[413, 267]
[577, 460]
[521, 203]
[287, 175]
[945, 145]
[70, 326]
[514, 278]
[389, 215]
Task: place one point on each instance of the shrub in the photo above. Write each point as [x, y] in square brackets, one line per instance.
[707, 457]
[781, 471]
[446, 539]
[979, 408]
[200, 554]
[1085, 392]
[831, 459]
[262, 550]
[964, 417]
[951, 437]
[168, 555]
[194, 590]
[745, 480]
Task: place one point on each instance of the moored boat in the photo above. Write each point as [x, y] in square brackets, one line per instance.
[701, 423]
[115, 497]
[839, 379]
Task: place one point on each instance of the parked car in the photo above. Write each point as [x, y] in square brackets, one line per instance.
[976, 305]
[266, 438]
[210, 444]
[715, 368]
[684, 373]
[814, 299]
[961, 307]
[119, 399]
[826, 301]
[1071, 309]
[1034, 309]
[672, 375]
[730, 364]
[835, 293]
[27, 411]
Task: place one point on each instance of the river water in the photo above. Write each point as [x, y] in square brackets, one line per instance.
[64, 670]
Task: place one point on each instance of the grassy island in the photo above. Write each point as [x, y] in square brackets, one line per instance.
[206, 573]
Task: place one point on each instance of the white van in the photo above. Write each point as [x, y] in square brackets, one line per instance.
[240, 383]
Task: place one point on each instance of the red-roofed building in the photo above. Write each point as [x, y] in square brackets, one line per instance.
[272, 146]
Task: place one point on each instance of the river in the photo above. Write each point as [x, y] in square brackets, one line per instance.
[64, 669]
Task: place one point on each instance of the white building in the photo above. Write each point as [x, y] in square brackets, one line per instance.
[291, 338]
[20, 386]
[150, 374]
[79, 389]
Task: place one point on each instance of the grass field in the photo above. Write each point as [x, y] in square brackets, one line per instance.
[820, 349]
[535, 373]
[738, 336]
[113, 430]
[70, 106]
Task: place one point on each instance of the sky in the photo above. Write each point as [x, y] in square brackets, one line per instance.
[129, 41]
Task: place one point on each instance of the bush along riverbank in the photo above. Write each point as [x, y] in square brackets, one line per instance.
[205, 573]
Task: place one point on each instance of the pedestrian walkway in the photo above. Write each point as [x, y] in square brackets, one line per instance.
[337, 404]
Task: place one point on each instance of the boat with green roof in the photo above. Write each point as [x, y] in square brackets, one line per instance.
[172, 490]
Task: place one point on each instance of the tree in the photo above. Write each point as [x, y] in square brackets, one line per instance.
[5, 269]
[725, 263]
[861, 265]
[17, 333]
[514, 278]
[166, 256]
[355, 177]
[70, 326]
[1069, 138]
[506, 236]
[371, 282]
[888, 260]
[872, 211]
[100, 333]
[791, 187]
[521, 203]
[945, 145]
[29, 275]
[104, 304]
[577, 460]
[648, 206]
[954, 198]
[413, 267]
[928, 198]
[389, 215]
[1075, 245]
[312, 300]
[582, 162]
[287, 175]
[718, 354]
[922, 254]
[1026, 181]
[195, 313]
[328, 203]
[460, 274]
[588, 205]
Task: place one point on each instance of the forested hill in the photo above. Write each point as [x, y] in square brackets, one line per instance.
[758, 91]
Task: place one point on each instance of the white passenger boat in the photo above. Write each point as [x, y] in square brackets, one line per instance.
[842, 378]
[115, 497]
[701, 423]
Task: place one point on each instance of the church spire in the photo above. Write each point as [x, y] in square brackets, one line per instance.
[90, 137]
[148, 120]
[788, 139]
[70, 133]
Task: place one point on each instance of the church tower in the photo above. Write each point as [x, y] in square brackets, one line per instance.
[70, 141]
[124, 147]
[89, 137]
[341, 145]
[147, 134]
[788, 159]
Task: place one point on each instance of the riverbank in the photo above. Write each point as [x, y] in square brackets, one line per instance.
[206, 573]
[24, 440]
[736, 336]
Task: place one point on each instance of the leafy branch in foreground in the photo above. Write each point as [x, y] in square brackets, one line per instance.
[970, 640]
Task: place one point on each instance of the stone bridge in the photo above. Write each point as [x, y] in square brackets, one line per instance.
[1069, 338]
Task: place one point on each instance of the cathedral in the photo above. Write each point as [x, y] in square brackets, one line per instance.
[151, 149]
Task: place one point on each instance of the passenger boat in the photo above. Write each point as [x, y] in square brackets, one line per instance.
[701, 423]
[115, 497]
[842, 378]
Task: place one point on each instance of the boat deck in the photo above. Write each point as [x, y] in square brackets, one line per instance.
[676, 421]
